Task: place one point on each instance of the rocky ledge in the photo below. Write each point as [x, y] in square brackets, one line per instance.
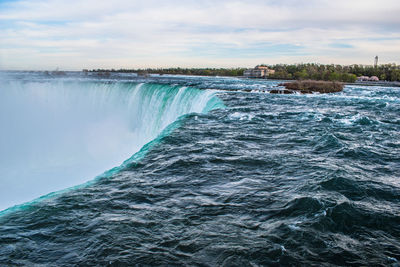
[309, 87]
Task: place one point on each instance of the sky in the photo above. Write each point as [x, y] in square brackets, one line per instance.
[87, 34]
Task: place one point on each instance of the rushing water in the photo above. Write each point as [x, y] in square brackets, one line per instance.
[227, 174]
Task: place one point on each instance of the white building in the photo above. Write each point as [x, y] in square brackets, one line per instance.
[258, 72]
[368, 79]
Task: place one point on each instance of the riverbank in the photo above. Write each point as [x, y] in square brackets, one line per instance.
[380, 83]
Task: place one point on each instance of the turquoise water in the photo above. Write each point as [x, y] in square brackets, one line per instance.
[231, 175]
[61, 133]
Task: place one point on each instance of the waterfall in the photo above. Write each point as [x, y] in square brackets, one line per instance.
[57, 134]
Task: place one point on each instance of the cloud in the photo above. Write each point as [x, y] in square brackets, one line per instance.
[91, 34]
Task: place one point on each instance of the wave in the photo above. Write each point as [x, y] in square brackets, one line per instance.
[57, 134]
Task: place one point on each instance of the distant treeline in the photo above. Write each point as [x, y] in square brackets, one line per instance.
[387, 72]
[183, 71]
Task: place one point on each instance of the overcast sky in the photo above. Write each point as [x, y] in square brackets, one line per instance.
[73, 35]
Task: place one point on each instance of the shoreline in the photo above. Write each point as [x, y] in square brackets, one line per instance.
[97, 73]
[380, 83]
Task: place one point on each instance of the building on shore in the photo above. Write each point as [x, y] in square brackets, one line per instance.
[367, 79]
[258, 72]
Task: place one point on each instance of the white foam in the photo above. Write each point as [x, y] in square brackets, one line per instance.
[241, 116]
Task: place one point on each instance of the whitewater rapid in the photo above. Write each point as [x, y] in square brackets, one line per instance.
[58, 133]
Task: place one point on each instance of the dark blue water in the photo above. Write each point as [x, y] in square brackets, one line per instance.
[268, 180]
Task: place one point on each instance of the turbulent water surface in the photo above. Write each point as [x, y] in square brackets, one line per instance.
[207, 172]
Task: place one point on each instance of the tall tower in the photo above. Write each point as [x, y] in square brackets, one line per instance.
[376, 62]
